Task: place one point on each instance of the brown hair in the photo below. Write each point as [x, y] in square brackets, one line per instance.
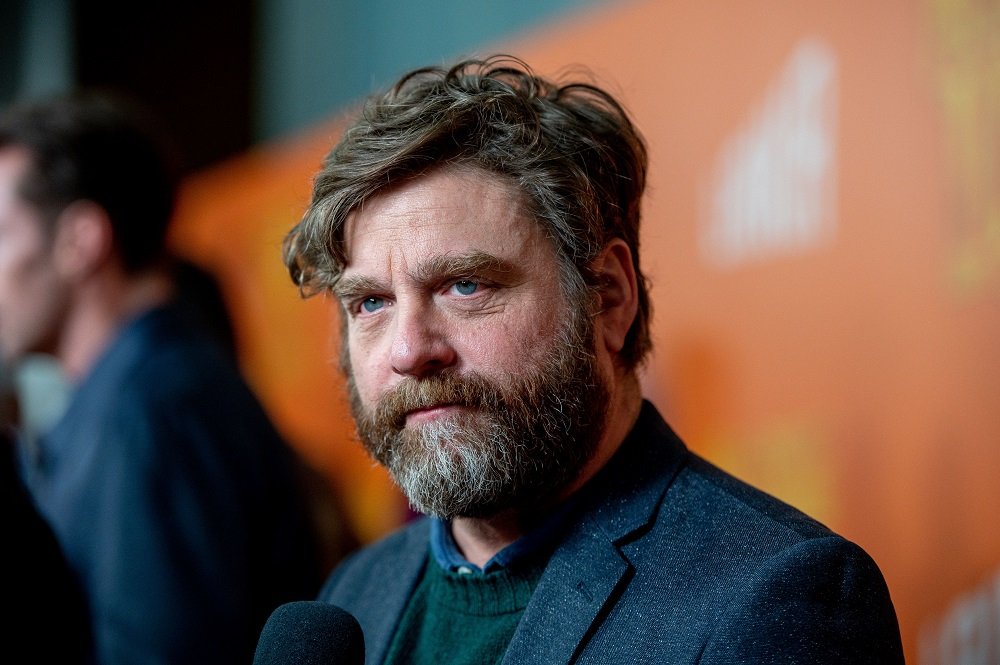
[570, 148]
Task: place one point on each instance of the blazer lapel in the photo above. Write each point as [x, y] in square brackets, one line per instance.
[584, 571]
[567, 600]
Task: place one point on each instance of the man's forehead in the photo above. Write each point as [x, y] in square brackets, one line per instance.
[464, 210]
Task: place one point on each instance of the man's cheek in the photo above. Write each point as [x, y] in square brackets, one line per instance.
[367, 389]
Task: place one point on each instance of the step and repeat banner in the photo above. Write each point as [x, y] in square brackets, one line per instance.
[822, 233]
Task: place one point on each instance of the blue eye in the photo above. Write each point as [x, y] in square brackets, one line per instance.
[372, 304]
[466, 287]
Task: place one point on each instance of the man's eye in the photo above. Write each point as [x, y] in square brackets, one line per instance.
[372, 304]
[466, 287]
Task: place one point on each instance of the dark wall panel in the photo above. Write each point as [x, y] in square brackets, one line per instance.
[188, 60]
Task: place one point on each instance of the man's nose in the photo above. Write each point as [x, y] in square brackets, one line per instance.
[420, 345]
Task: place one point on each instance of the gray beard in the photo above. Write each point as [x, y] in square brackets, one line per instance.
[522, 439]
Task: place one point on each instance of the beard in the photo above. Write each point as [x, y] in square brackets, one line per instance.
[518, 440]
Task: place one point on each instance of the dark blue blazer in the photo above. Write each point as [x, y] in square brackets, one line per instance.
[175, 500]
[669, 560]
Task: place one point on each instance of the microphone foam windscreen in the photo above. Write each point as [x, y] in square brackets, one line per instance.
[310, 632]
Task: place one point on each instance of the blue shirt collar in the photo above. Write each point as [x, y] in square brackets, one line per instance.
[445, 550]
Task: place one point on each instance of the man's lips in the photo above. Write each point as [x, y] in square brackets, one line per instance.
[432, 412]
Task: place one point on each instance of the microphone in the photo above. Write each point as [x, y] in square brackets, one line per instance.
[309, 632]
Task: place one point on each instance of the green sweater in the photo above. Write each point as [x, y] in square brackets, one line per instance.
[462, 618]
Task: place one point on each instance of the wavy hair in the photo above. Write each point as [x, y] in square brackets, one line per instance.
[570, 148]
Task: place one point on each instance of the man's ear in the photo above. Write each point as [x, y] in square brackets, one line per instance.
[83, 239]
[619, 294]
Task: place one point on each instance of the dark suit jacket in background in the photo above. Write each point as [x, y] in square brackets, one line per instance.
[668, 560]
[174, 499]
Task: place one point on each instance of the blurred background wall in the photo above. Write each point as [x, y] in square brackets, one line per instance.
[227, 74]
[822, 231]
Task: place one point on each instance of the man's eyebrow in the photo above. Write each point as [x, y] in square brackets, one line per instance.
[348, 288]
[462, 265]
[435, 269]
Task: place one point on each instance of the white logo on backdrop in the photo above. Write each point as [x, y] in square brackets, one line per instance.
[968, 632]
[773, 191]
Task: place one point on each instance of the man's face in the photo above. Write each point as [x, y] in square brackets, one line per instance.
[32, 296]
[471, 377]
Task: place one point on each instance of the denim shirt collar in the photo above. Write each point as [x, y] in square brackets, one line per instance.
[446, 553]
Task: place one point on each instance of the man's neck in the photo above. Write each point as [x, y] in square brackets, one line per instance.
[99, 310]
[480, 539]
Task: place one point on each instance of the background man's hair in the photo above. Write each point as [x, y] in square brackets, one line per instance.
[104, 149]
[569, 148]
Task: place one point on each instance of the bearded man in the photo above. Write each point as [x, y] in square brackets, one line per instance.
[479, 228]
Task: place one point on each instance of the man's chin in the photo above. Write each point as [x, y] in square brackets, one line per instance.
[474, 511]
[438, 502]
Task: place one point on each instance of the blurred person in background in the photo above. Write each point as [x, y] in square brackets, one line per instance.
[173, 496]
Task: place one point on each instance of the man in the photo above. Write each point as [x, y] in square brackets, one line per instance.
[479, 227]
[168, 488]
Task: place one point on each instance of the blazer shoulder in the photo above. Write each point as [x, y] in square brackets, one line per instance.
[382, 567]
[822, 600]
[712, 492]
[375, 582]
[659, 479]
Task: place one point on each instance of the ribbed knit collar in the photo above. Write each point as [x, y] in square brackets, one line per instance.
[501, 591]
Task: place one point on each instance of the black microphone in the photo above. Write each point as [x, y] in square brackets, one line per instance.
[309, 632]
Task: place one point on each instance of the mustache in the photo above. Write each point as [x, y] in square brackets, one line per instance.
[470, 390]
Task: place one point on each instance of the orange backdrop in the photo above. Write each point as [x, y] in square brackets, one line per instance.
[822, 232]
